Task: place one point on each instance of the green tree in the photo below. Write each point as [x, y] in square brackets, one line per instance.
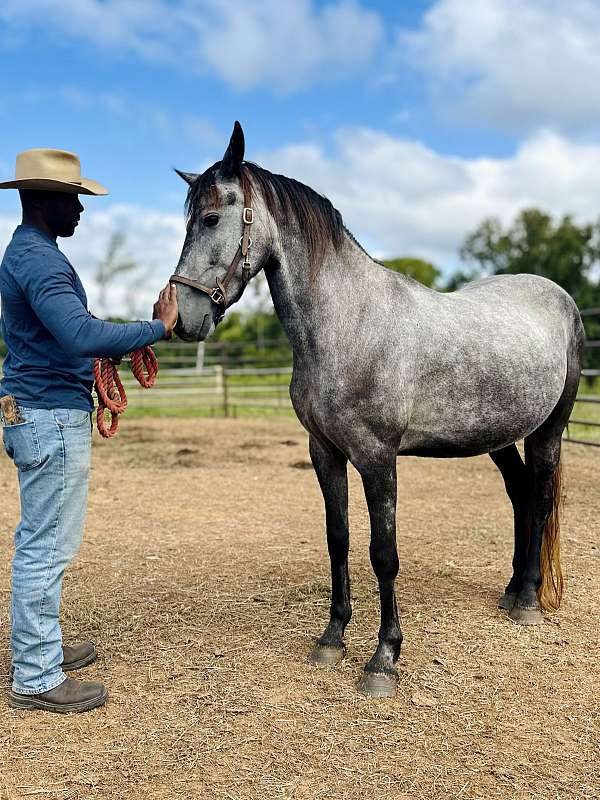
[416, 268]
[247, 334]
[562, 251]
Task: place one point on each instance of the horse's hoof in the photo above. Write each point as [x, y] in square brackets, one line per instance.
[507, 600]
[526, 615]
[378, 684]
[323, 655]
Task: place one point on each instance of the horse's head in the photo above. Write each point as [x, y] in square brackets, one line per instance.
[227, 241]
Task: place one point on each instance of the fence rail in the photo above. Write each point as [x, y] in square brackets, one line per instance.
[216, 379]
[584, 399]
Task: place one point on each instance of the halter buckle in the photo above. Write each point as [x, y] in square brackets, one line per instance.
[248, 216]
[217, 296]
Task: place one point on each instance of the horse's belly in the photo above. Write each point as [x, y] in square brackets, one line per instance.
[469, 420]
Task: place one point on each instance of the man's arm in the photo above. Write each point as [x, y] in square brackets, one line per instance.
[49, 289]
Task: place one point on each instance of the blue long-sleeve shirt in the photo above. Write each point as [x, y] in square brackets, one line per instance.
[50, 335]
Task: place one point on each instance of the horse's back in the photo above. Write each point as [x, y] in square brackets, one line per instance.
[537, 298]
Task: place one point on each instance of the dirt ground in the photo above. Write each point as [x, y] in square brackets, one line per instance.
[204, 579]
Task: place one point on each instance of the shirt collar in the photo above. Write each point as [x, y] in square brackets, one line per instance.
[30, 230]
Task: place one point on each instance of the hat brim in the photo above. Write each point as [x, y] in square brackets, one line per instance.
[86, 186]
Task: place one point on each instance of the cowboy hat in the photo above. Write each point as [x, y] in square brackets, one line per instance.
[51, 170]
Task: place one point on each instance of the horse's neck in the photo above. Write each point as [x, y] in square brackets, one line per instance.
[312, 310]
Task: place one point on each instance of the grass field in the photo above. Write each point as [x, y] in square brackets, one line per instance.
[588, 411]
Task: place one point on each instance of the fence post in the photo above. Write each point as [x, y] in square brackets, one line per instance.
[200, 357]
[224, 379]
[218, 369]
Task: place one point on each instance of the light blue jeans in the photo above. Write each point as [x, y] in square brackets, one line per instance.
[51, 450]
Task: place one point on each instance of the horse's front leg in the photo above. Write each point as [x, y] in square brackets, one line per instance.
[380, 676]
[331, 468]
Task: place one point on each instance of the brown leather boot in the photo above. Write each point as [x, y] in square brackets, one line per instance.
[71, 696]
[75, 656]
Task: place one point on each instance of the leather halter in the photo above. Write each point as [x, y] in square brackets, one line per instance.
[218, 293]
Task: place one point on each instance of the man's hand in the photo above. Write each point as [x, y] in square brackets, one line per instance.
[166, 309]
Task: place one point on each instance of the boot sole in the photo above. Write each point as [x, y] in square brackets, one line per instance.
[23, 702]
[72, 665]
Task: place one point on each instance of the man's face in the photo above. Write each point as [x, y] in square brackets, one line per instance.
[61, 212]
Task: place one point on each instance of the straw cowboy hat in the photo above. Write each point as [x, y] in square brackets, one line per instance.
[52, 170]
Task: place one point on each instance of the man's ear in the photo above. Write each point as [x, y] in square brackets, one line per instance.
[34, 198]
[234, 155]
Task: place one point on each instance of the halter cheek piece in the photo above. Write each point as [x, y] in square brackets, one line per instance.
[218, 293]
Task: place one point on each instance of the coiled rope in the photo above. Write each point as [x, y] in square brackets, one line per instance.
[110, 390]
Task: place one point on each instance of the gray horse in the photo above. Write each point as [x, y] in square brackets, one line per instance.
[384, 367]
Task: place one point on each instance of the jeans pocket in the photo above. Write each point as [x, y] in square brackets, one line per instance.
[71, 417]
[22, 444]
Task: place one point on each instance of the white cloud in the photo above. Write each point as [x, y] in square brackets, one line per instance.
[144, 26]
[516, 64]
[401, 198]
[260, 43]
[7, 226]
[267, 43]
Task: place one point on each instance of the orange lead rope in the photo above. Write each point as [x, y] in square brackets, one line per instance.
[110, 391]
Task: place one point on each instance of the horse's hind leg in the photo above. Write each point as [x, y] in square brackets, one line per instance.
[331, 468]
[380, 676]
[516, 481]
[542, 456]
[542, 578]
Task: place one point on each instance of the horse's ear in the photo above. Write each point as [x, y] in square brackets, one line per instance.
[234, 155]
[188, 177]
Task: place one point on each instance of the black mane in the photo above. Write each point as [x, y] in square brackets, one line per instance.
[287, 200]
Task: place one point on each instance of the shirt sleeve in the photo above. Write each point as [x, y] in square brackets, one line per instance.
[47, 280]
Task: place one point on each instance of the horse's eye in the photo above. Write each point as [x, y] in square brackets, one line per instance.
[210, 220]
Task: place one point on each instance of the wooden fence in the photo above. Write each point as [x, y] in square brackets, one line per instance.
[216, 379]
[589, 418]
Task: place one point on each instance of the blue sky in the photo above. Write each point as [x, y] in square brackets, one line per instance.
[416, 118]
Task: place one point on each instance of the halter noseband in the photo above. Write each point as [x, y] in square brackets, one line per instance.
[218, 293]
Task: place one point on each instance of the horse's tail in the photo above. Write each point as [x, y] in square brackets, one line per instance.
[551, 589]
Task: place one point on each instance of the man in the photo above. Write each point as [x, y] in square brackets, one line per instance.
[46, 404]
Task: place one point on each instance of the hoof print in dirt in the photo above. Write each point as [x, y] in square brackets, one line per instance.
[301, 465]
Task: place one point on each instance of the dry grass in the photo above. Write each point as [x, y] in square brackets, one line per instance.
[204, 579]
